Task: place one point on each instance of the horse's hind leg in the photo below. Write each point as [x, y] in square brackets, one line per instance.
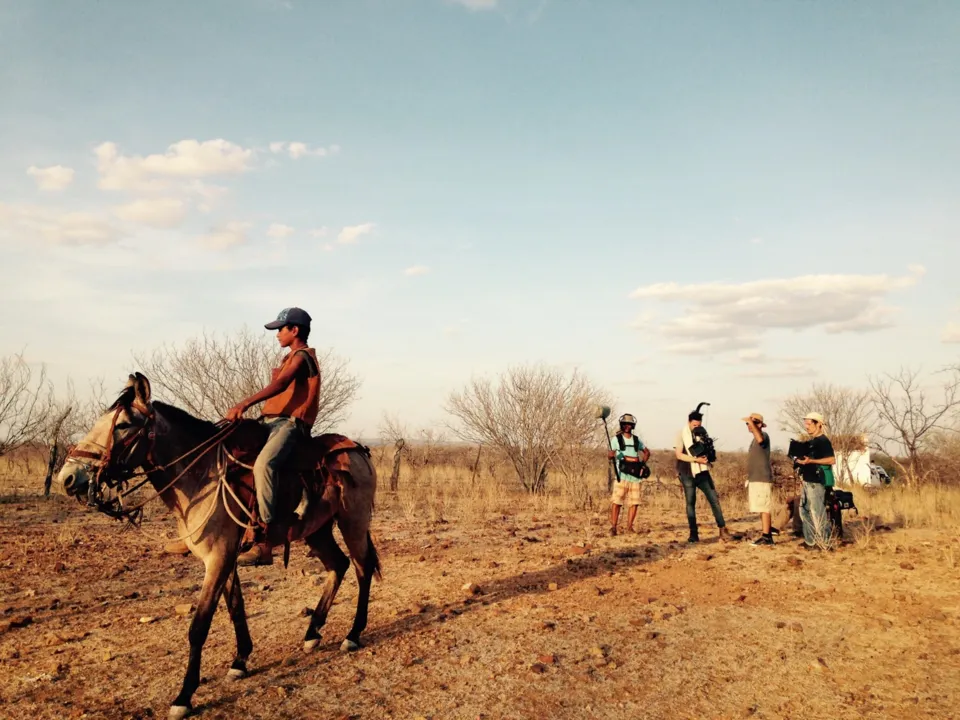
[366, 563]
[337, 564]
[218, 570]
[234, 599]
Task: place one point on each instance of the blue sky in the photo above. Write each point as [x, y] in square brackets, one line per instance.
[686, 201]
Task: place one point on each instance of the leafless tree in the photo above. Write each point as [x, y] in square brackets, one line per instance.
[908, 417]
[26, 400]
[531, 415]
[208, 375]
[393, 431]
[70, 418]
[848, 414]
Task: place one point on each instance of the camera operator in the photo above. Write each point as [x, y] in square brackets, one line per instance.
[813, 512]
[760, 475]
[694, 473]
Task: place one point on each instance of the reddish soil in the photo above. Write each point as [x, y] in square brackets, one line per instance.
[565, 623]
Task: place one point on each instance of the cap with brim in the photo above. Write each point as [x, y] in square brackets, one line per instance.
[289, 316]
[755, 416]
[815, 416]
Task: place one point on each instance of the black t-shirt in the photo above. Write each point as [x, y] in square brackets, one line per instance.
[820, 447]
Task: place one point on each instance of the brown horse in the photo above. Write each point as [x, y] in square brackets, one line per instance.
[196, 467]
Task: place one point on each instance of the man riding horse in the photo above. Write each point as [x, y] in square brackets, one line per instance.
[291, 401]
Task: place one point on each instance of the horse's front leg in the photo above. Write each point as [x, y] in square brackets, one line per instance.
[218, 571]
[238, 615]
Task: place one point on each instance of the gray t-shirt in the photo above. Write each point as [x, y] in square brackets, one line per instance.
[758, 460]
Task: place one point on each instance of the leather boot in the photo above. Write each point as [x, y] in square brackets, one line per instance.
[260, 551]
[725, 535]
[259, 554]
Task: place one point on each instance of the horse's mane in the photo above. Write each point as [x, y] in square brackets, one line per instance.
[189, 423]
[124, 399]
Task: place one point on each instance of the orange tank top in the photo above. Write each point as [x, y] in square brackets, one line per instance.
[301, 398]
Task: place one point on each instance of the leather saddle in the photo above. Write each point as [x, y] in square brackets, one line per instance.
[319, 461]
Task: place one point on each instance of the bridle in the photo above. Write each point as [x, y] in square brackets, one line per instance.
[107, 475]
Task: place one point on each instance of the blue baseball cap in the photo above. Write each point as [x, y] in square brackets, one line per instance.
[289, 316]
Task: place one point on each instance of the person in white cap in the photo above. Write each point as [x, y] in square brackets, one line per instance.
[813, 511]
[760, 475]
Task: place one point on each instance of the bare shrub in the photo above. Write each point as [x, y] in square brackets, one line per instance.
[532, 415]
[26, 403]
[909, 417]
[208, 375]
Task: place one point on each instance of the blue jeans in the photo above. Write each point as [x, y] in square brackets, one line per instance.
[813, 513]
[705, 482]
[282, 438]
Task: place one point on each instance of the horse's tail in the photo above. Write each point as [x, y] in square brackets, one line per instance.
[371, 563]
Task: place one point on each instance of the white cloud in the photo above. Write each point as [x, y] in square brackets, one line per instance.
[296, 150]
[318, 232]
[726, 317]
[209, 194]
[951, 333]
[55, 177]
[757, 240]
[279, 231]
[417, 270]
[790, 369]
[186, 159]
[27, 222]
[226, 236]
[351, 233]
[162, 212]
[477, 4]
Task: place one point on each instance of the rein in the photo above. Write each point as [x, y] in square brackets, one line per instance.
[101, 462]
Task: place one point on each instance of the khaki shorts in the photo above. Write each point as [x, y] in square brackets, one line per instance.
[761, 497]
[629, 491]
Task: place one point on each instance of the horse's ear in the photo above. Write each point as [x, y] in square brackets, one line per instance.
[142, 389]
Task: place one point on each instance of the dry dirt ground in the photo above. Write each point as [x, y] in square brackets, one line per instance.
[566, 623]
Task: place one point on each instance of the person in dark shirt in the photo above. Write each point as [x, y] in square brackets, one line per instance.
[760, 476]
[813, 511]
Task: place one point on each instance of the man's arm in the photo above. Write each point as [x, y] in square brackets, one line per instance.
[755, 431]
[275, 387]
[614, 449]
[688, 458]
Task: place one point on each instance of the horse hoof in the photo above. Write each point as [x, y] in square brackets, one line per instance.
[234, 674]
[349, 646]
[310, 645]
[178, 712]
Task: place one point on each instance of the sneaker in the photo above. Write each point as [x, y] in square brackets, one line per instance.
[763, 540]
[693, 539]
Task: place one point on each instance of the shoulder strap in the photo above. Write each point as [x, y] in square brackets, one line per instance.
[620, 440]
[636, 443]
[312, 368]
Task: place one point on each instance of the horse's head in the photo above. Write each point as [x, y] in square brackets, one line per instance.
[119, 442]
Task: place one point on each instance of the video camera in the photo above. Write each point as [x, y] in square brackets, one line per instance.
[702, 442]
[798, 449]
